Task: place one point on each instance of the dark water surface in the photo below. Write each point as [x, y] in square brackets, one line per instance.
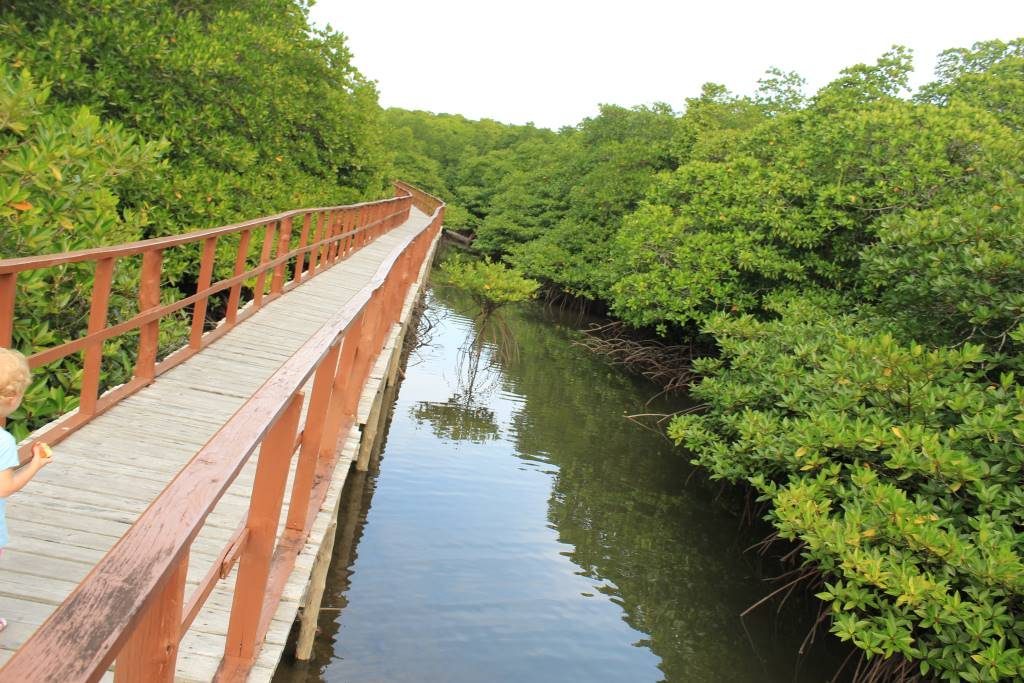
[521, 529]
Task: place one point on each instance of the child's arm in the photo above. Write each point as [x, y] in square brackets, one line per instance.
[12, 479]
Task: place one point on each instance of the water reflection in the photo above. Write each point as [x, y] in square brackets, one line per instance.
[457, 419]
[533, 533]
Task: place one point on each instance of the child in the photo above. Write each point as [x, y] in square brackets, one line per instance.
[14, 377]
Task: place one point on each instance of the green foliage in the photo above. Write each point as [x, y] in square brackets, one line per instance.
[61, 172]
[261, 113]
[953, 273]
[795, 203]
[897, 466]
[990, 75]
[880, 421]
[531, 198]
[614, 157]
[462, 160]
[121, 120]
[490, 284]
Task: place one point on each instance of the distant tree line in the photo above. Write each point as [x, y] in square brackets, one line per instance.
[850, 266]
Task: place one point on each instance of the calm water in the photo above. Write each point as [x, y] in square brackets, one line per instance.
[521, 529]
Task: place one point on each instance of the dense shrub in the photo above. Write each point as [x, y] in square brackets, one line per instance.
[897, 467]
[491, 285]
[795, 203]
[59, 182]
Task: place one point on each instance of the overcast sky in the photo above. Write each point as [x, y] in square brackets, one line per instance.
[552, 62]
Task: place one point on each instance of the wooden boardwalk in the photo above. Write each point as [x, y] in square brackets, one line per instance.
[106, 474]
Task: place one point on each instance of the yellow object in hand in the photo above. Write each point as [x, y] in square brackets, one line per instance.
[43, 449]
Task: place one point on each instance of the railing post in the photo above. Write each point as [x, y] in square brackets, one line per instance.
[195, 340]
[348, 228]
[264, 513]
[235, 297]
[261, 278]
[316, 257]
[300, 259]
[283, 240]
[362, 221]
[312, 433]
[347, 220]
[363, 366]
[149, 297]
[8, 284]
[151, 652]
[102, 278]
[332, 232]
[343, 383]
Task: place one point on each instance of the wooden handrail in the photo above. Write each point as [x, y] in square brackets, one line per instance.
[131, 606]
[359, 224]
[14, 265]
[424, 201]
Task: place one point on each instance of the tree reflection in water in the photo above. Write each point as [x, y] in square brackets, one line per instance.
[457, 419]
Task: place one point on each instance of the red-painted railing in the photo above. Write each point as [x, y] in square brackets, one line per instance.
[132, 606]
[326, 236]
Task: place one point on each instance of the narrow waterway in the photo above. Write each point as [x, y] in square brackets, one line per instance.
[520, 528]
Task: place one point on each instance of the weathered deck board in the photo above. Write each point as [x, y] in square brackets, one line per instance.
[105, 474]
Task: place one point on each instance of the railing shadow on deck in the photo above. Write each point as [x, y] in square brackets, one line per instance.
[132, 606]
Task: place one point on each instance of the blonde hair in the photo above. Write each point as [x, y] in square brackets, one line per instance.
[14, 373]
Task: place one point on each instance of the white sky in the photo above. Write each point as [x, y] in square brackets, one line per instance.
[553, 62]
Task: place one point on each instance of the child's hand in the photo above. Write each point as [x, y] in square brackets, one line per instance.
[42, 454]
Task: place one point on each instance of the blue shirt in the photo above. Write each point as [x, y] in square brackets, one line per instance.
[8, 459]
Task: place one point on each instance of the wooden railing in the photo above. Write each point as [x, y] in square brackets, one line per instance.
[427, 203]
[132, 606]
[325, 237]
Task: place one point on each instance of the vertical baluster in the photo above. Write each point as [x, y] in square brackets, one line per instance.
[347, 226]
[316, 417]
[325, 252]
[300, 260]
[283, 242]
[92, 366]
[344, 225]
[261, 279]
[337, 228]
[8, 283]
[236, 290]
[316, 257]
[347, 220]
[372, 322]
[363, 366]
[344, 386]
[264, 512]
[149, 297]
[152, 649]
[362, 221]
[205, 278]
[328, 249]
